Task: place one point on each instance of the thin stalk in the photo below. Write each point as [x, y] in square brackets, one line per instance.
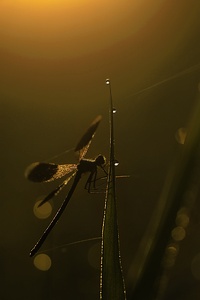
[111, 277]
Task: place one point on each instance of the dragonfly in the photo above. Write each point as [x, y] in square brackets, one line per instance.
[47, 172]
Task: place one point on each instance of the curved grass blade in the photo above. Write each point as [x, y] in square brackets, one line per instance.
[180, 191]
[111, 278]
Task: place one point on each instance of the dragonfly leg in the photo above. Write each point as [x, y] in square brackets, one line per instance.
[91, 178]
[95, 180]
[90, 185]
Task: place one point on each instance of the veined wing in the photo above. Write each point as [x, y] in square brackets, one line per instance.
[45, 172]
[84, 143]
[57, 190]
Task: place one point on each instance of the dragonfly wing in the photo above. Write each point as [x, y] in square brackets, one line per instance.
[45, 172]
[84, 143]
[57, 190]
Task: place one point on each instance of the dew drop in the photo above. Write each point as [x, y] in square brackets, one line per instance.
[114, 110]
[116, 163]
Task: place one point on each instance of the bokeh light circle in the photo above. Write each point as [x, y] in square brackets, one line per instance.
[180, 135]
[42, 262]
[43, 211]
[178, 233]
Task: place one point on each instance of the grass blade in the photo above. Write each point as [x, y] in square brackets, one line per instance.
[111, 279]
[180, 191]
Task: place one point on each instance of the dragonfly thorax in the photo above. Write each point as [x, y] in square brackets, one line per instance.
[90, 165]
[100, 160]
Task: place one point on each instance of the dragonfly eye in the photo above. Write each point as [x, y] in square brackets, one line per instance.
[100, 160]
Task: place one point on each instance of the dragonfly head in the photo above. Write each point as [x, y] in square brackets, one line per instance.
[100, 160]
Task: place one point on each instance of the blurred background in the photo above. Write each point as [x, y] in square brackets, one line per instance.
[54, 59]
